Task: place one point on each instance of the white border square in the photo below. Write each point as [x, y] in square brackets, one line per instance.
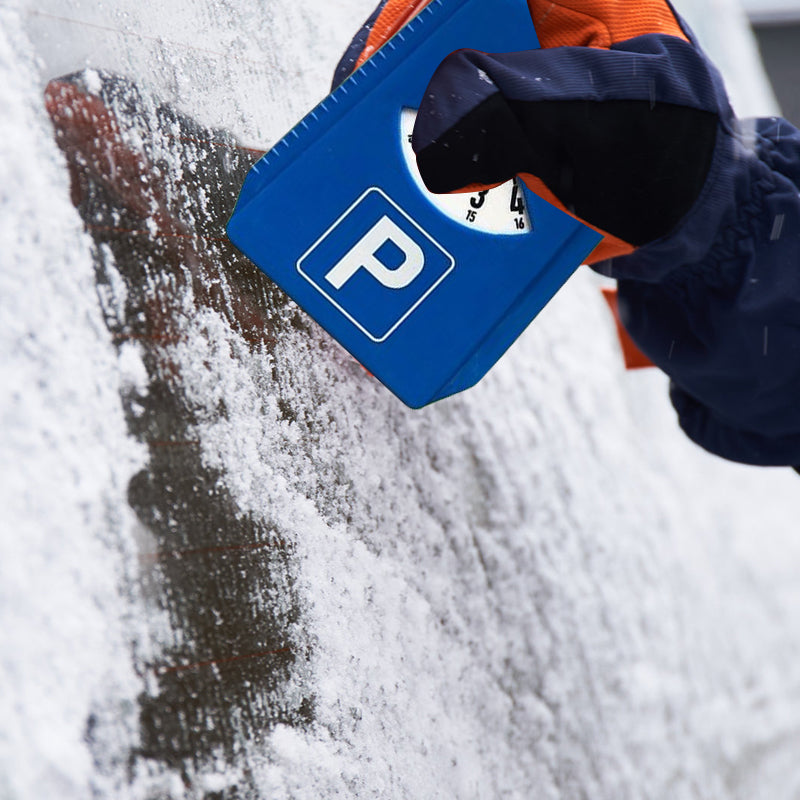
[334, 303]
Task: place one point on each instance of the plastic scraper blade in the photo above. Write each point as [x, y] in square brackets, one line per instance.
[335, 215]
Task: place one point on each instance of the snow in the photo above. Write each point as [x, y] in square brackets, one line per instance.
[537, 588]
[66, 458]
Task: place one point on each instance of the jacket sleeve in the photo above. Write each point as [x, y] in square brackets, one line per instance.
[716, 303]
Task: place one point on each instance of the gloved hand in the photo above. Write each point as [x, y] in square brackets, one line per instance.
[621, 120]
[614, 120]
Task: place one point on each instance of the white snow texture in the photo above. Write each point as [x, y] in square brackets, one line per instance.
[535, 589]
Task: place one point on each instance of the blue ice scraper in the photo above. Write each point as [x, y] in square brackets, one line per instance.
[425, 292]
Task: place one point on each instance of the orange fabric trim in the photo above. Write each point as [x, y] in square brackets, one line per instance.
[634, 357]
[600, 23]
[395, 14]
[609, 246]
[475, 187]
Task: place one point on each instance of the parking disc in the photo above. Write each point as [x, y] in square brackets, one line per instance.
[426, 291]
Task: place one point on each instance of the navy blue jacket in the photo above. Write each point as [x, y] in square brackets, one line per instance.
[716, 304]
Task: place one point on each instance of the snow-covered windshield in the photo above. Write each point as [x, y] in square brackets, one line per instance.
[233, 565]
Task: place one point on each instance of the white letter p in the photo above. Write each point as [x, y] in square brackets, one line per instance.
[363, 254]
